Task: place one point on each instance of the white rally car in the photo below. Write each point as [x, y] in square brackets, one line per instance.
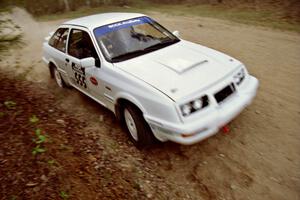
[162, 87]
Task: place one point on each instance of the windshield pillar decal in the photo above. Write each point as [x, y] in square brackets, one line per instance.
[121, 25]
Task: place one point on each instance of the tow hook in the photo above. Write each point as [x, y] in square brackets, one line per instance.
[225, 129]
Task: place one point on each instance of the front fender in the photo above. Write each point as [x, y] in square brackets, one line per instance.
[131, 98]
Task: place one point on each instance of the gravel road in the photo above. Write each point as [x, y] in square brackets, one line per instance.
[258, 159]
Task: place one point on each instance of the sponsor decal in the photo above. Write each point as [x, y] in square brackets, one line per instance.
[121, 25]
[94, 80]
[133, 21]
[79, 75]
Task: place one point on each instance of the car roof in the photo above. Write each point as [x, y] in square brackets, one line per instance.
[94, 21]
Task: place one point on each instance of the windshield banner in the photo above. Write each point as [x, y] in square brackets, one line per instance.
[121, 25]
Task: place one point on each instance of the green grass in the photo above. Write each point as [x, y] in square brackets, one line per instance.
[245, 16]
[5, 9]
[266, 18]
[87, 11]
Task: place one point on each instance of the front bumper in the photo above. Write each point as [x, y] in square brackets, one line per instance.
[209, 124]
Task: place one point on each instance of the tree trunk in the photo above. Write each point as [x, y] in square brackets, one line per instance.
[88, 3]
[67, 6]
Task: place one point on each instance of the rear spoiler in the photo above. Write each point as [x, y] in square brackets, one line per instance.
[49, 36]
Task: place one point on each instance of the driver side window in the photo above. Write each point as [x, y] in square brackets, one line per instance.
[81, 45]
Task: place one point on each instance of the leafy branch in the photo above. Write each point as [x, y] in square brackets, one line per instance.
[39, 139]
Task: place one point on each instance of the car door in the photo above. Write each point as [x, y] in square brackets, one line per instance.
[80, 46]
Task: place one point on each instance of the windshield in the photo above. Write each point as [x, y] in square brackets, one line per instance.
[130, 38]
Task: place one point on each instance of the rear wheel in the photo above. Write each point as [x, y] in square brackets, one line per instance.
[138, 129]
[58, 78]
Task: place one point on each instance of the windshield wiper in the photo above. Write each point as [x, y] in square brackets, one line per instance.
[128, 55]
[162, 44]
[139, 52]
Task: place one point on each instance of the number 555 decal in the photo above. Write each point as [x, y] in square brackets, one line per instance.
[79, 75]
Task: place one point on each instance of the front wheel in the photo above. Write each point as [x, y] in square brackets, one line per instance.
[138, 129]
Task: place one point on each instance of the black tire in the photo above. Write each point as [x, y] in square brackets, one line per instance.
[145, 137]
[53, 75]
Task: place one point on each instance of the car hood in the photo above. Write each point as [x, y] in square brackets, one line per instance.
[180, 69]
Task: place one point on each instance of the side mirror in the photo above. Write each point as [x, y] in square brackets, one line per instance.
[87, 62]
[176, 33]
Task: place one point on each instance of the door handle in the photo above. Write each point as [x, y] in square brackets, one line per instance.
[67, 60]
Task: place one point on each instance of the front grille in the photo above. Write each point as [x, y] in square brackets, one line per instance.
[225, 93]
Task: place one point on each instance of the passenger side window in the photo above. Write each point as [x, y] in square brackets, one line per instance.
[59, 39]
[81, 45]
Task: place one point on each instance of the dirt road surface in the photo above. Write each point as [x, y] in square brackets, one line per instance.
[260, 157]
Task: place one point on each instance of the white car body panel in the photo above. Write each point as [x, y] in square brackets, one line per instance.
[159, 82]
[195, 68]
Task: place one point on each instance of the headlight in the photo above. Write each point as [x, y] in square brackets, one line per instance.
[193, 106]
[239, 77]
[197, 104]
[186, 109]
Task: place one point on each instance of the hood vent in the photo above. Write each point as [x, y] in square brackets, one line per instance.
[182, 69]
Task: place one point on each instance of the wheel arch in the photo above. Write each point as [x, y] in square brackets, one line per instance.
[126, 99]
[52, 65]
